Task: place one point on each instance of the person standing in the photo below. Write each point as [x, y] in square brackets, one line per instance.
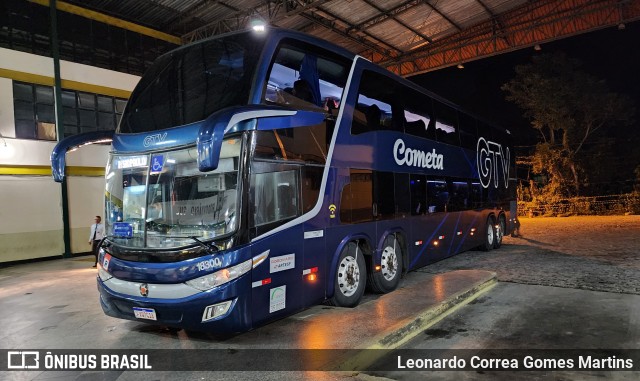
[97, 233]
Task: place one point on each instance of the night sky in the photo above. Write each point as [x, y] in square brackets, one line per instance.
[609, 54]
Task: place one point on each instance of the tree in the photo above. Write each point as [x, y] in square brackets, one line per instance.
[569, 108]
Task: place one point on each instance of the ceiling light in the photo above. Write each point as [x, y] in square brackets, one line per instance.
[537, 47]
[258, 25]
[621, 26]
[460, 66]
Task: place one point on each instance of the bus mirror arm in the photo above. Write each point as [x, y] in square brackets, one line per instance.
[58, 163]
[229, 120]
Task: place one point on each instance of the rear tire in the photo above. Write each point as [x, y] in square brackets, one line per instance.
[351, 277]
[388, 278]
[489, 234]
[500, 229]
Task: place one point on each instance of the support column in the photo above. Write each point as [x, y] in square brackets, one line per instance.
[57, 90]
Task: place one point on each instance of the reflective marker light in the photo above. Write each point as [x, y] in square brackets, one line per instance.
[218, 278]
[216, 310]
[312, 273]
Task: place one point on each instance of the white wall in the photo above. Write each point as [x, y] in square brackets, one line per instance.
[30, 218]
[97, 76]
[86, 200]
[30, 212]
[40, 65]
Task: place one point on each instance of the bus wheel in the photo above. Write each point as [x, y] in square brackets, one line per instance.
[489, 235]
[351, 277]
[500, 229]
[388, 278]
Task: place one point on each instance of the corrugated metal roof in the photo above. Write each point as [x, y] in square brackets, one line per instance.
[388, 27]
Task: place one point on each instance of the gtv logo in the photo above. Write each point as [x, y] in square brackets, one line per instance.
[154, 139]
[490, 154]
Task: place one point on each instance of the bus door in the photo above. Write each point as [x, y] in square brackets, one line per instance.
[277, 279]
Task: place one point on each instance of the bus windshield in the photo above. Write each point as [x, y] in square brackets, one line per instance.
[163, 200]
[189, 84]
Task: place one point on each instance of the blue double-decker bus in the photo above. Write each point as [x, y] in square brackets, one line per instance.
[253, 175]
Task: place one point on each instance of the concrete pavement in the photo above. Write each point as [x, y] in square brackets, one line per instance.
[54, 305]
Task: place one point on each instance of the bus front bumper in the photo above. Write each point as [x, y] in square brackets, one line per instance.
[195, 312]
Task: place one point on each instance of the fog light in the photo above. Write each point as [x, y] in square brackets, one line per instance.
[216, 310]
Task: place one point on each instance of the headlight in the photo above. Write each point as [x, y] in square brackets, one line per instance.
[223, 276]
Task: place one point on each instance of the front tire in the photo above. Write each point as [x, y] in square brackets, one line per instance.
[351, 277]
[388, 278]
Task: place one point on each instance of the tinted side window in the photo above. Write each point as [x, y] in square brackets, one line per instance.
[275, 196]
[308, 144]
[418, 114]
[304, 76]
[418, 184]
[403, 194]
[468, 133]
[437, 195]
[446, 123]
[374, 108]
[459, 198]
[384, 207]
[356, 201]
[311, 180]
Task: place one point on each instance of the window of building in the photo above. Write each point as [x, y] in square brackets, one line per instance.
[25, 26]
[34, 111]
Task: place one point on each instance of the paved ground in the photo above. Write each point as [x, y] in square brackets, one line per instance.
[568, 283]
[593, 253]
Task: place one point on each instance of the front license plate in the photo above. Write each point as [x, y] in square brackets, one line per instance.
[145, 313]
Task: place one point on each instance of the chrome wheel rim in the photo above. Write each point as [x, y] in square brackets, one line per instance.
[500, 231]
[389, 262]
[490, 234]
[348, 276]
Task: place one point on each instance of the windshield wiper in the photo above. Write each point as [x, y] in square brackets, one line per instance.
[211, 246]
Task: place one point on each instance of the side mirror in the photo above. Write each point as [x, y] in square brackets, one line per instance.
[58, 155]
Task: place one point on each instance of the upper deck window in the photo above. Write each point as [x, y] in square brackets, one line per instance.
[306, 77]
[189, 84]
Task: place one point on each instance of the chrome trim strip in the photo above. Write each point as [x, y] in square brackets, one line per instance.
[156, 291]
